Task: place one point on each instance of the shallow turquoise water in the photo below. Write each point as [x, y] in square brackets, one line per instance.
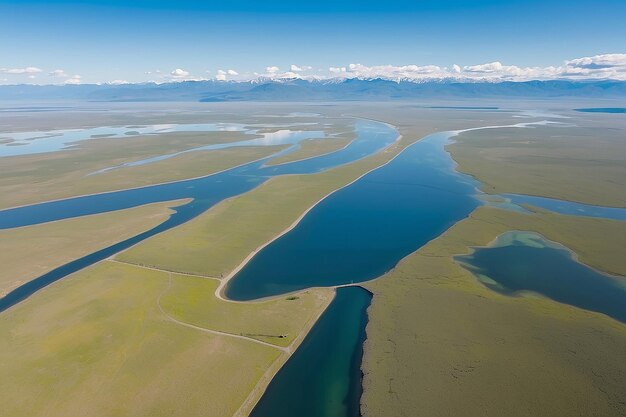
[525, 261]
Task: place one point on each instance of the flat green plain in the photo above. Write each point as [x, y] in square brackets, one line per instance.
[310, 148]
[279, 321]
[586, 163]
[97, 344]
[43, 177]
[440, 343]
[116, 339]
[31, 251]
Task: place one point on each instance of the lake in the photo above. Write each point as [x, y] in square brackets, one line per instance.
[525, 261]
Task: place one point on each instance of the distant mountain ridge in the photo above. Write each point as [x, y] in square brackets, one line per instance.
[317, 90]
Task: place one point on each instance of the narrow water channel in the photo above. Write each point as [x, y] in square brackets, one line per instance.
[323, 377]
[205, 192]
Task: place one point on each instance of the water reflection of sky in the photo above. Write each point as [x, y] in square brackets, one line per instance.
[33, 142]
[280, 137]
[26, 143]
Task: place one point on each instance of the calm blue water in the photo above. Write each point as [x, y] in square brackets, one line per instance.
[205, 192]
[323, 377]
[603, 110]
[362, 231]
[569, 207]
[371, 137]
[525, 261]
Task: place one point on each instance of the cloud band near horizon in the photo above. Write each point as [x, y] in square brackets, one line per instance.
[597, 67]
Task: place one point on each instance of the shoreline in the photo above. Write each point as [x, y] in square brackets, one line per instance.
[268, 376]
[219, 292]
[56, 200]
[206, 175]
[385, 149]
[310, 157]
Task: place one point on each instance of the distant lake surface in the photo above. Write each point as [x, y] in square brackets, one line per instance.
[525, 261]
[35, 142]
[603, 110]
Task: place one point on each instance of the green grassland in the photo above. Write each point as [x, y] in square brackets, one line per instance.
[58, 175]
[28, 252]
[310, 148]
[586, 163]
[278, 321]
[98, 344]
[439, 343]
[39, 177]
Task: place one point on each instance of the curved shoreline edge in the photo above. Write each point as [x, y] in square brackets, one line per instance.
[219, 292]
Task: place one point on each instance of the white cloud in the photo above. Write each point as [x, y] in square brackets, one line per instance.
[58, 73]
[609, 66]
[179, 73]
[221, 75]
[74, 80]
[597, 67]
[17, 71]
[391, 72]
[274, 73]
[599, 61]
[337, 70]
[287, 74]
[176, 75]
[118, 82]
[297, 68]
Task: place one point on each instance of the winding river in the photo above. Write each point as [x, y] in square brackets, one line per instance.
[205, 192]
[356, 234]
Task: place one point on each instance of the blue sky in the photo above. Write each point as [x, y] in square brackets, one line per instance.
[141, 40]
